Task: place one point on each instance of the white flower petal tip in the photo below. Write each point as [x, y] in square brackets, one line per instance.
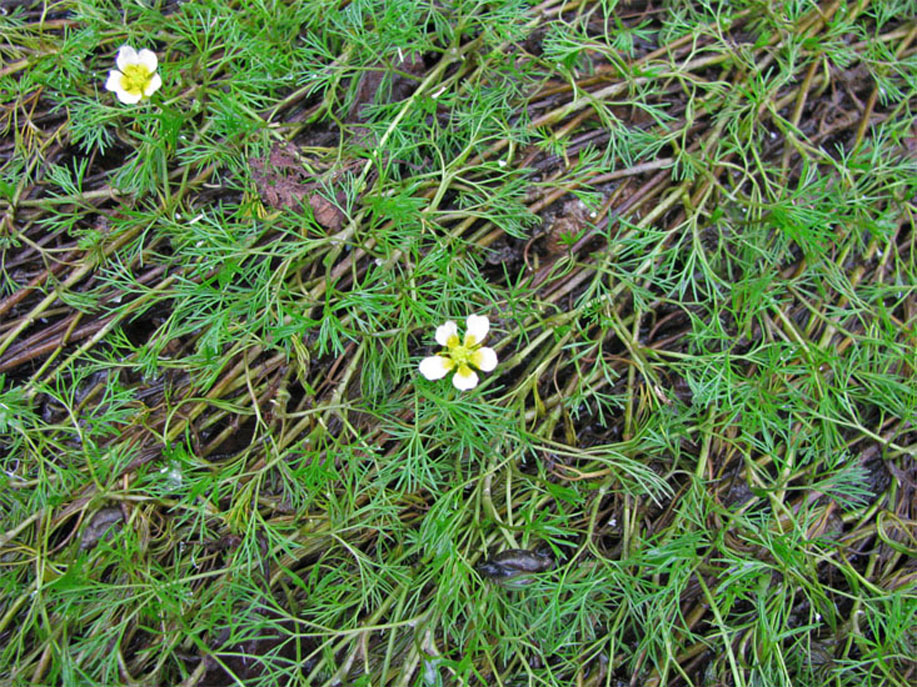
[126, 57]
[465, 379]
[435, 367]
[148, 59]
[136, 77]
[485, 359]
[114, 81]
[153, 86]
[444, 332]
[128, 98]
[477, 328]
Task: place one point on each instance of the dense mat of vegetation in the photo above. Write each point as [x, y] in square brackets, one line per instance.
[691, 226]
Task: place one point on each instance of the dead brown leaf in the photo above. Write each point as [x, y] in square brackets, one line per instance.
[276, 188]
[326, 213]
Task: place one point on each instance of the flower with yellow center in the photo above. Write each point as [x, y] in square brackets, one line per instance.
[461, 355]
[136, 77]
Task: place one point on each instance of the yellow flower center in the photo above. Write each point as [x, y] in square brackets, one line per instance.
[135, 78]
[462, 354]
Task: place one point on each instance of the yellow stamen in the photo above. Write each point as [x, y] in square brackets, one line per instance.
[135, 78]
[461, 355]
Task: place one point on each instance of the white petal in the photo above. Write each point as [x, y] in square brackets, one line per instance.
[153, 86]
[148, 59]
[435, 367]
[464, 379]
[477, 328]
[114, 81]
[126, 57]
[445, 331]
[485, 359]
[126, 97]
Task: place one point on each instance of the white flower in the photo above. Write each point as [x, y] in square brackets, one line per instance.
[136, 77]
[461, 355]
